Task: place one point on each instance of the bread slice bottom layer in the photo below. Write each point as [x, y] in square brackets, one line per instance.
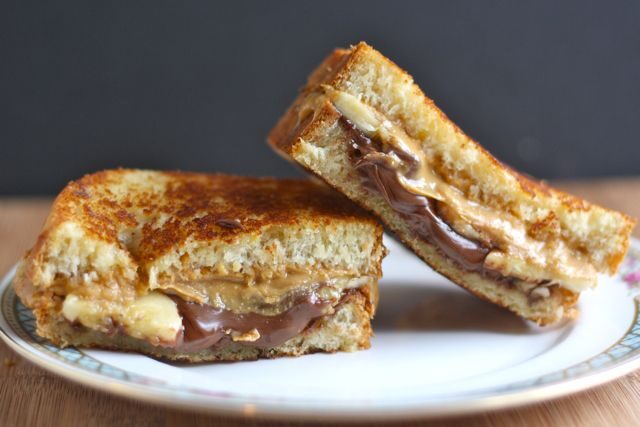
[347, 329]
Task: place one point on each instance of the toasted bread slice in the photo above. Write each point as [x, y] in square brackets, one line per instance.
[364, 127]
[149, 261]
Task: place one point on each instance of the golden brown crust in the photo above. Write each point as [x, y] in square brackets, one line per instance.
[197, 205]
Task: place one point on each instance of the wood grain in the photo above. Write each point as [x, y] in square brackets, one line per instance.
[30, 396]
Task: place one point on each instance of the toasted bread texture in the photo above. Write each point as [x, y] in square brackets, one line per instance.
[310, 133]
[117, 235]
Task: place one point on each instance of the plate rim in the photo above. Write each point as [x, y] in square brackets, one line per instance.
[291, 409]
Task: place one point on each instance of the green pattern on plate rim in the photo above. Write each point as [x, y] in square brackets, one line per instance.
[627, 347]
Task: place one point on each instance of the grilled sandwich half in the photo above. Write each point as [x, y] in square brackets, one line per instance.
[364, 127]
[197, 267]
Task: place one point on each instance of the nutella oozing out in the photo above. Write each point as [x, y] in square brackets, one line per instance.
[206, 326]
[420, 212]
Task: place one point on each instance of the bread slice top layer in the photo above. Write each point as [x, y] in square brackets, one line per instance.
[150, 222]
[148, 215]
[575, 237]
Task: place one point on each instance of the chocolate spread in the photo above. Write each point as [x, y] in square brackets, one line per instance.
[206, 326]
[420, 212]
[230, 223]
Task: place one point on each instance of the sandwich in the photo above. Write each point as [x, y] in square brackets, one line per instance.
[195, 267]
[363, 126]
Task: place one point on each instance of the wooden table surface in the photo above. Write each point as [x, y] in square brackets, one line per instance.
[30, 396]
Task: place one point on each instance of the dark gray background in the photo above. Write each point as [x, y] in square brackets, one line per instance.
[552, 88]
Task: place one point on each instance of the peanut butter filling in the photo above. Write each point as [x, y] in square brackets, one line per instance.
[500, 241]
[268, 297]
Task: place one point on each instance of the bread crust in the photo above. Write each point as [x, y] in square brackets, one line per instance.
[293, 134]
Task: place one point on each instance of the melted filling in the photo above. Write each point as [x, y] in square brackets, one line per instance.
[395, 166]
[171, 321]
[420, 212]
[205, 326]
[267, 296]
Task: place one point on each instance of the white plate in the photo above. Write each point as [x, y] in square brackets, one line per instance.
[437, 351]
